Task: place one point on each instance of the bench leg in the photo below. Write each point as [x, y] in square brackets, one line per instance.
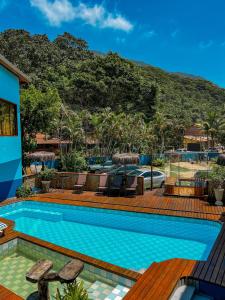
[43, 291]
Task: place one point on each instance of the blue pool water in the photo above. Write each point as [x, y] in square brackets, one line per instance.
[127, 239]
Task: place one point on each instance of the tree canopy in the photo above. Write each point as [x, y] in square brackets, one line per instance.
[66, 71]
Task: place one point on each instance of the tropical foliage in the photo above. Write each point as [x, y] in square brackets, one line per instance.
[217, 176]
[79, 95]
[73, 291]
[23, 191]
[46, 174]
[73, 161]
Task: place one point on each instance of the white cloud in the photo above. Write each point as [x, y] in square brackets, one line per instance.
[117, 22]
[91, 15]
[59, 11]
[205, 45]
[56, 12]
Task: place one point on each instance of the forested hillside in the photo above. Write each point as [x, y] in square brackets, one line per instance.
[87, 81]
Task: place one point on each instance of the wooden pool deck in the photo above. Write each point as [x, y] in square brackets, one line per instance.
[213, 270]
[150, 202]
[6, 294]
[160, 279]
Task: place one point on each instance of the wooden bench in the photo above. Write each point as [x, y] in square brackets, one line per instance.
[40, 274]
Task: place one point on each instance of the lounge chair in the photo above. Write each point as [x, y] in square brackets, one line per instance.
[116, 183]
[103, 183]
[3, 226]
[81, 180]
[131, 184]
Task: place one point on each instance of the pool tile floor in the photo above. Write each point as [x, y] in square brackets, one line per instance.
[99, 290]
[13, 269]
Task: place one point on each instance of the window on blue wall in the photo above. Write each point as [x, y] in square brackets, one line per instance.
[8, 118]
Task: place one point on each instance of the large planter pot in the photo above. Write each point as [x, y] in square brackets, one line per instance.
[219, 196]
[45, 186]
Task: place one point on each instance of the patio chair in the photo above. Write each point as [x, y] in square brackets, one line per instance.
[116, 183]
[103, 183]
[81, 180]
[131, 184]
[3, 226]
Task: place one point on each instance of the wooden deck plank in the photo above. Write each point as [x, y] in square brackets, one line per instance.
[160, 287]
[214, 259]
[151, 199]
[213, 270]
[6, 294]
[205, 269]
[151, 202]
[159, 281]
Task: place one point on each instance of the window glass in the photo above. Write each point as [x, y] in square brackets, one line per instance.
[8, 118]
[155, 173]
[147, 174]
[136, 173]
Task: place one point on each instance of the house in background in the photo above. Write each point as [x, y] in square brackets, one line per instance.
[52, 144]
[10, 133]
[195, 139]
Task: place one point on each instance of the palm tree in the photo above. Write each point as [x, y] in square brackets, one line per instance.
[71, 127]
[212, 124]
[161, 124]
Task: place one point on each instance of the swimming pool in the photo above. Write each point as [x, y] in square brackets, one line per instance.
[127, 239]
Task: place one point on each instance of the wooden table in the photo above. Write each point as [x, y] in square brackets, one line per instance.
[40, 274]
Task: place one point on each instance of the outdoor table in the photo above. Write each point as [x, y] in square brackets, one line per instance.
[40, 274]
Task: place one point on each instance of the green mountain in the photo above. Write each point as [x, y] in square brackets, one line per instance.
[87, 80]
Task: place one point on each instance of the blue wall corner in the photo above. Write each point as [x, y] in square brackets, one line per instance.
[10, 146]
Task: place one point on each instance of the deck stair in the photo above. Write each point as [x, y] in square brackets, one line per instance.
[183, 292]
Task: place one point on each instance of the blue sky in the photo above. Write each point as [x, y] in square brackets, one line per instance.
[176, 35]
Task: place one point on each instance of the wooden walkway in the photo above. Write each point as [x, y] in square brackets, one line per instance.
[158, 282]
[160, 279]
[213, 270]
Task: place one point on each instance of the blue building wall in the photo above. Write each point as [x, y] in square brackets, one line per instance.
[10, 147]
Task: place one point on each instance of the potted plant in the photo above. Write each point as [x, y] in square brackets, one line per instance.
[217, 178]
[46, 176]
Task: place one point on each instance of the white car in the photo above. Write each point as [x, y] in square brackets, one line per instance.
[158, 177]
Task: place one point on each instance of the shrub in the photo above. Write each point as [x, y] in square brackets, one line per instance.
[217, 176]
[73, 291]
[74, 161]
[158, 162]
[23, 191]
[46, 174]
[202, 174]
